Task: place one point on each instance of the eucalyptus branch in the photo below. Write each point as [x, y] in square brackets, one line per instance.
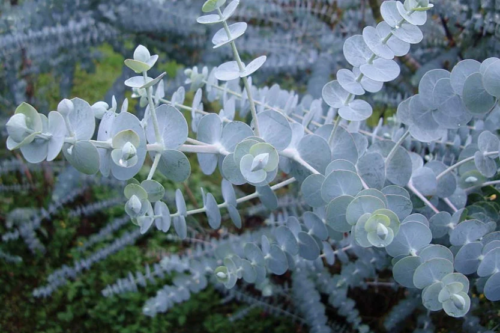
[395, 148]
[240, 200]
[294, 155]
[245, 80]
[450, 204]
[154, 166]
[152, 107]
[422, 197]
[462, 162]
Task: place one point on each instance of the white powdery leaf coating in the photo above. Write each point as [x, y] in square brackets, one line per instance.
[357, 110]
[367, 83]
[416, 17]
[381, 70]
[356, 51]
[475, 97]
[408, 33]
[390, 13]
[236, 30]
[376, 43]
[275, 129]
[334, 95]
[253, 66]
[349, 81]
[461, 72]
[397, 46]
[491, 79]
[227, 71]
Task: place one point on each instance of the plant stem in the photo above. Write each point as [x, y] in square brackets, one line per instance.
[450, 204]
[101, 144]
[154, 166]
[332, 135]
[459, 163]
[242, 199]
[245, 80]
[422, 197]
[294, 155]
[151, 106]
[395, 148]
[205, 149]
[490, 183]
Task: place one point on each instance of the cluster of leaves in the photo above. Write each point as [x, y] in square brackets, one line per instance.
[385, 200]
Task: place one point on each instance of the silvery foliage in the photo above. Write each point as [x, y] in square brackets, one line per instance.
[385, 196]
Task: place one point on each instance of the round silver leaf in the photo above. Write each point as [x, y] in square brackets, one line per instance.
[390, 13]
[334, 95]
[180, 226]
[431, 271]
[491, 78]
[412, 236]
[336, 213]
[367, 83]
[311, 190]
[174, 165]
[362, 205]
[275, 129]
[286, 240]
[381, 70]
[348, 81]
[315, 225]
[415, 17]
[427, 85]
[461, 72]
[213, 212]
[339, 183]
[397, 46]
[315, 151]
[357, 110]
[476, 99]
[409, 33]
[468, 231]
[404, 269]
[340, 165]
[253, 66]
[236, 30]
[356, 51]
[267, 197]
[374, 42]
[371, 168]
[231, 171]
[227, 71]
[83, 156]
[467, 258]
[492, 288]
[308, 248]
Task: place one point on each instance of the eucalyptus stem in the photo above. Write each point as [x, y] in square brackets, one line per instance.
[395, 148]
[332, 135]
[459, 163]
[240, 200]
[151, 106]
[422, 197]
[293, 154]
[374, 56]
[154, 166]
[266, 106]
[450, 204]
[199, 149]
[101, 144]
[490, 183]
[245, 80]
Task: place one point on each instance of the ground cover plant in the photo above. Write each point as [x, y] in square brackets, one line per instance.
[410, 204]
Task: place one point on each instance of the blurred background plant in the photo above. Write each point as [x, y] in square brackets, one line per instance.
[52, 216]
